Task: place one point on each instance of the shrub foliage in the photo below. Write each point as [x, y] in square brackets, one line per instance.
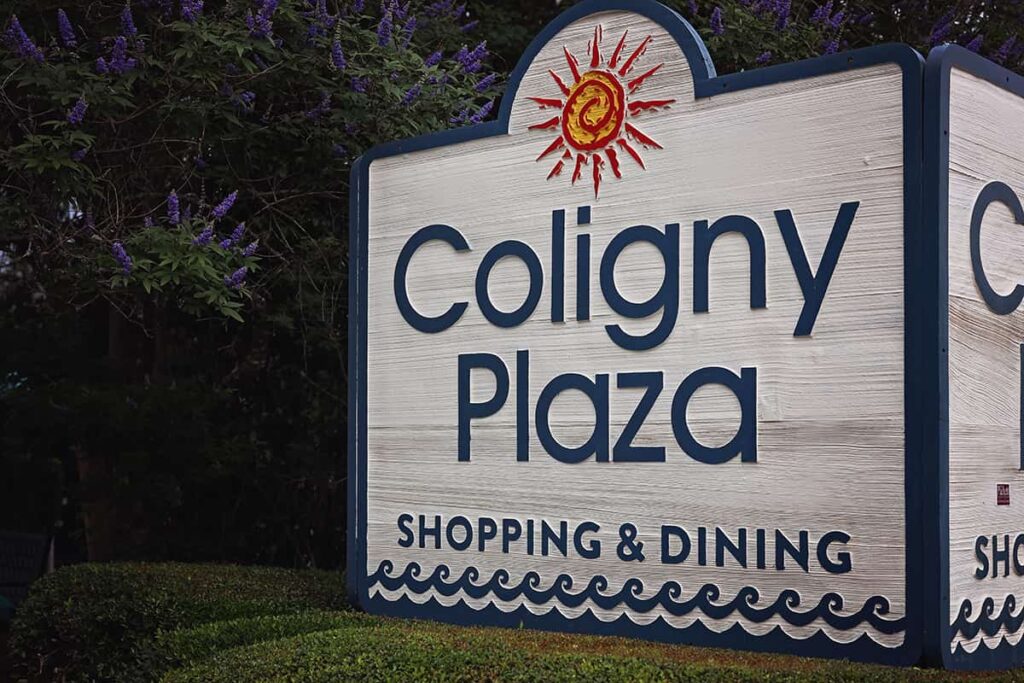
[96, 621]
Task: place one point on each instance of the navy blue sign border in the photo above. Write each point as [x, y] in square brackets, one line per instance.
[919, 283]
[936, 126]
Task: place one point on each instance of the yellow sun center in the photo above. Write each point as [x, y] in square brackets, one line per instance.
[594, 111]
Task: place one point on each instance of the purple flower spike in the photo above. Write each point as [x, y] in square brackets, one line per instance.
[77, 113]
[128, 21]
[384, 29]
[147, 222]
[250, 250]
[337, 56]
[66, 30]
[101, 66]
[821, 15]
[830, 47]
[941, 29]
[204, 237]
[237, 233]
[837, 20]
[173, 208]
[1003, 53]
[717, 25]
[19, 40]
[119, 62]
[764, 58]
[360, 84]
[486, 82]
[411, 94]
[79, 154]
[237, 278]
[358, 5]
[433, 60]
[975, 44]
[225, 205]
[122, 257]
[782, 14]
[482, 114]
[191, 10]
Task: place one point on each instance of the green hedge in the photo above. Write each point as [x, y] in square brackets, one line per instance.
[392, 650]
[97, 621]
[189, 646]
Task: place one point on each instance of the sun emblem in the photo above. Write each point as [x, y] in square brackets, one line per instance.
[594, 124]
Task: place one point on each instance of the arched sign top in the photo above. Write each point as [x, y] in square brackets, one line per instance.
[658, 19]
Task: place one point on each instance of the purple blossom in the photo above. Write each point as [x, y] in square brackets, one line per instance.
[866, 19]
[147, 222]
[204, 237]
[119, 61]
[339, 150]
[337, 56]
[18, 40]
[486, 82]
[225, 205]
[466, 28]
[472, 61]
[837, 20]
[482, 114]
[101, 66]
[173, 208]
[407, 31]
[411, 94]
[460, 118]
[433, 60]
[77, 113]
[250, 250]
[385, 28]
[358, 6]
[122, 257]
[821, 15]
[692, 4]
[830, 47]
[782, 13]
[246, 99]
[79, 154]
[191, 10]
[235, 280]
[1003, 53]
[128, 21]
[717, 25]
[763, 58]
[187, 213]
[360, 84]
[975, 44]
[237, 233]
[66, 30]
[260, 25]
[941, 29]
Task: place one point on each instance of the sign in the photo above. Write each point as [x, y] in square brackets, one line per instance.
[979, 168]
[666, 354]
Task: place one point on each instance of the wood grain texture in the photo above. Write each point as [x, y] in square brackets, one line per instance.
[830, 407]
[986, 143]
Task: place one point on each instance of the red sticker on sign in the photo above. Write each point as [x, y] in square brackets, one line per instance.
[1002, 494]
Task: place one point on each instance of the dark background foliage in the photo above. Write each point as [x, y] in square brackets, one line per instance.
[172, 412]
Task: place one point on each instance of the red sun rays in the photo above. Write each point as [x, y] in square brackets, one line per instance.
[594, 112]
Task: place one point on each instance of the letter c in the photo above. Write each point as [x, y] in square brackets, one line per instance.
[444, 233]
[994, 192]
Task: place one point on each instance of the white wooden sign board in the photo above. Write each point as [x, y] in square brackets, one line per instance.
[657, 353]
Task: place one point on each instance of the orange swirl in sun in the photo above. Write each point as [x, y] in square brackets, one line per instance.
[594, 111]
